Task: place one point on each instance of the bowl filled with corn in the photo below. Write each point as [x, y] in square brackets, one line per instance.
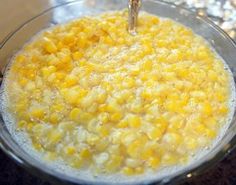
[83, 101]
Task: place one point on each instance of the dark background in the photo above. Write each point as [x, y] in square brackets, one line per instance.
[223, 173]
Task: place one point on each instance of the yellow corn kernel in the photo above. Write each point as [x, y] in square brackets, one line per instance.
[92, 140]
[147, 65]
[101, 98]
[23, 82]
[49, 46]
[207, 109]
[20, 58]
[174, 106]
[202, 55]
[85, 117]
[147, 153]
[139, 170]
[21, 123]
[220, 97]
[70, 150]
[154, 162]
[37, 146]
[150, 83]
[134, 149]
[76, 163]
[101, 145]
[115, 117]
[37, 113]
[66, 126]
[155, 133]
[184, 160]
[30, 86]
[136, 107]
[210, 122]
[169, 159]
[102, 108]
[70, 81]
[114, 163]
[74, 114]
[200, 129]
[123, 96]
[182, 73]
[103, 117]
[55, 136]
[82, 42]
[128, 171]
[123, 124]
[146, 94]
[134, 121]
[69, 38]
[212, 75]
[223, 109]
[113, 107]
[29, 126]
[173, 138]
[129, 82]
[107, 86]
[133, 163]
[59, 76]
[54, 118]
[135, 71]
[47, 71]
[103, 130]
[160, 122]
[175, 126]
[85, 154]
[191, 143]
[37, 129]
[57, 107]
[211, 133]
[77, 55]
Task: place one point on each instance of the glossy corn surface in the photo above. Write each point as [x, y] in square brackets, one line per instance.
[95, 96]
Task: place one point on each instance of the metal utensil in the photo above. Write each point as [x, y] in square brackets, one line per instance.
[134, 6]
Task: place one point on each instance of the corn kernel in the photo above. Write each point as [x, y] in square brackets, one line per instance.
[154, 162]
[70, 81]
[22, 124]
[115, 117]
[70, 150]
[37, 113]
[114, 163]
[85, 153]
[207, 109]
[147, 65]
[191, 143]
[169, 159]
[55, 136]
[122, 124]
[134, 121]
[155, 133]
[49, 46]
[223, 109]
[74, 114]
[128, 171]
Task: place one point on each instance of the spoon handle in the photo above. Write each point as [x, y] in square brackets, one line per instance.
[133, 7]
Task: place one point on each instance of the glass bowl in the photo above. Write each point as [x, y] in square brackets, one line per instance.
[217, 38]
